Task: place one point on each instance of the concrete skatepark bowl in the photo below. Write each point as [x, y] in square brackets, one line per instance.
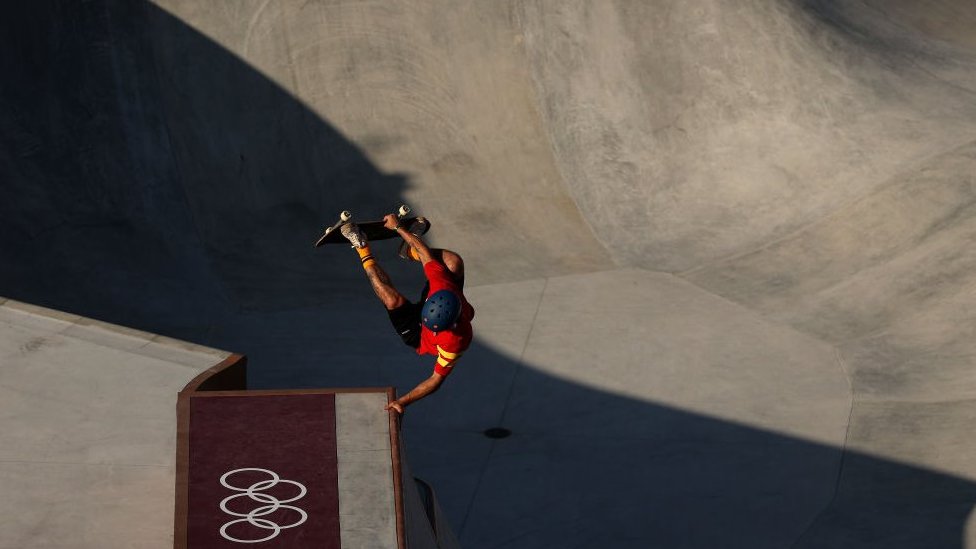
[721, 253]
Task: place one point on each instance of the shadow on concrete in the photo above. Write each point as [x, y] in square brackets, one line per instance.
[153, 179]
[632, 473]
[143, 161]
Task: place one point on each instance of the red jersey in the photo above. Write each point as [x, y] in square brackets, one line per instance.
[447, 345]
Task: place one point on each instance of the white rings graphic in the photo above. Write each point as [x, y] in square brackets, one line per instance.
[271, 504]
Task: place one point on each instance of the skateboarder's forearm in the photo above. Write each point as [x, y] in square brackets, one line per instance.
[417, 244]
[423, 389]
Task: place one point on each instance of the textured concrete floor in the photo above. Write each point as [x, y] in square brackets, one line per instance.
[89, 443]
[722, 253]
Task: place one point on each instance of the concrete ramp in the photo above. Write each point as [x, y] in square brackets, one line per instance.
[296, 469]
[89, 442]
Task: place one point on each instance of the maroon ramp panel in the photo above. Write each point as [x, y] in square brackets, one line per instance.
[263, 467]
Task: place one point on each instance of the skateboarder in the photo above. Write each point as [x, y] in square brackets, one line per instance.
[440, 324]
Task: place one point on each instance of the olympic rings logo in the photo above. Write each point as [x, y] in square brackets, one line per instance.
[272, 504]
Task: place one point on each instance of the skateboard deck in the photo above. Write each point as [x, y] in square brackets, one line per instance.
[373, 229]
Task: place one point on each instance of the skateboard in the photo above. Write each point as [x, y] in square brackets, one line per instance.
[374, 230]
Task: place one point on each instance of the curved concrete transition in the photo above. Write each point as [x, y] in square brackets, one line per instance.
[721, 253]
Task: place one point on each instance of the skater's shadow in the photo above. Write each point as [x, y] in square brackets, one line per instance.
[160, 182]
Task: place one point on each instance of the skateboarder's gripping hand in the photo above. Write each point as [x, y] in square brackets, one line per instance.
[391, 221]
[395, 406]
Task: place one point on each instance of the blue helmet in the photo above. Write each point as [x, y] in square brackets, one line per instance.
[441, 310]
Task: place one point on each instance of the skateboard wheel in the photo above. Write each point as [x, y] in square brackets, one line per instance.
[345, 215]
[404, 210]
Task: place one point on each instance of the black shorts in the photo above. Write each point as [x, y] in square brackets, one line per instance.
[406, 319]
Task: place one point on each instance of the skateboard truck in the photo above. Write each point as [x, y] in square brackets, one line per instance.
[344, 218]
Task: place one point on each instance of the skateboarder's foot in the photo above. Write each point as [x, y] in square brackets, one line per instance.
[418, 228]
[354, 235]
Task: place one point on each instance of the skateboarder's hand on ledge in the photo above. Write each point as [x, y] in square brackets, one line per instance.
[425, 388]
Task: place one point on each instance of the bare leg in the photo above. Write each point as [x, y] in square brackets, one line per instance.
[383, 287]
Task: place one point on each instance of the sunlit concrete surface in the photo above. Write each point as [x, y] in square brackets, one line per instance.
[89, 441]
[721, 253]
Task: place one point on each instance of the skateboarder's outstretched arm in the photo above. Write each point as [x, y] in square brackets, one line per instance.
[423, 389]
[423, 251]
